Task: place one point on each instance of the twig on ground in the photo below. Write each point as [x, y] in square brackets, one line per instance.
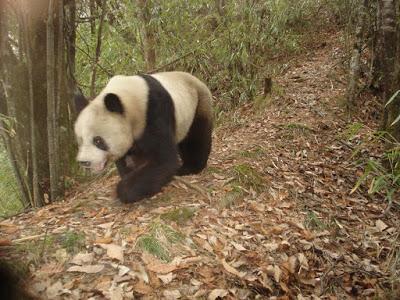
[29, 238]
[389, 207]
[324, 277]
[195, 187]
[44, 243]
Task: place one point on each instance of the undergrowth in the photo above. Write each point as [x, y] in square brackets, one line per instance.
[248, 177]
[162, 241]
[381, 174]
[232, 45]
[73, 241]
[313, 221]
[9, 195]
[179, 215]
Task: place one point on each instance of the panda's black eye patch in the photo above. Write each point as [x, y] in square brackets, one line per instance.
[99, 142]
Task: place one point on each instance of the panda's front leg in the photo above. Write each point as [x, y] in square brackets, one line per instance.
[130, 163]
[147, 181]
[122, 166]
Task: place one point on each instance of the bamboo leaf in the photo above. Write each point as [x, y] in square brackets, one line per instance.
[395, 121]
[396, 180]
[392, 98]
[359, 182]
[377, 184]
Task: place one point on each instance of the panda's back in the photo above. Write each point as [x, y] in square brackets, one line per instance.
[184, 96]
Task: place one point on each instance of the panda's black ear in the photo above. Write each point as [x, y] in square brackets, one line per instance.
[80, 101]
[113, 103]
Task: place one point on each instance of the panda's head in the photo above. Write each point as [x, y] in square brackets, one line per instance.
[102, 130]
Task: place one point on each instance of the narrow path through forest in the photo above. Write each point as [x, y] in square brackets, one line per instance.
[271, 216]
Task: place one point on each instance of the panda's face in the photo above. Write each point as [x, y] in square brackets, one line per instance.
[103, 133]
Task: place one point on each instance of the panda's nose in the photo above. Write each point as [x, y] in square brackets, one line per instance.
[85, 164]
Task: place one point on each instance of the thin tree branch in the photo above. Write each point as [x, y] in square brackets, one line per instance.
[193, 51]
[109, 73]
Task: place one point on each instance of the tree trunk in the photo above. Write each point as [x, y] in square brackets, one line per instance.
[354, 73]
[389, 62]
[70, 19]
[69, 149]
[51, 111]
[70, 40]
[33, 84]
[37, 195]
[60, 91]
[92, 8]
[33, 23]
[98, 49]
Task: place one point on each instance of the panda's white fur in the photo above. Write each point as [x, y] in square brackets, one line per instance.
[181, 87]
[120, 131]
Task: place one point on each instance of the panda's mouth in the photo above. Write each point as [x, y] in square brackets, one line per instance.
[97, 168]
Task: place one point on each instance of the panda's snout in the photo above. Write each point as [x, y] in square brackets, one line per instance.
[85, 164]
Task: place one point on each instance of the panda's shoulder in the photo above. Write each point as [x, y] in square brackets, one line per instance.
[173, 75]
[123, 80]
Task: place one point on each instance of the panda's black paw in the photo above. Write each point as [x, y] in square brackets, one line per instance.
[127, 194]
[188, 170]
[183, 171]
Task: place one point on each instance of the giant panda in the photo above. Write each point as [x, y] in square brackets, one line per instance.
[144, 123]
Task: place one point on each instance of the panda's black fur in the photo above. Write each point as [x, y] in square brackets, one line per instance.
[153, 159]
[12, 286]
[156, 148]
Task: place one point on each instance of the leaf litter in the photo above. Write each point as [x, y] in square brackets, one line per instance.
[278, 221]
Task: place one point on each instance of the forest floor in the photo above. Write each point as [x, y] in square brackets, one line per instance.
[271, 216]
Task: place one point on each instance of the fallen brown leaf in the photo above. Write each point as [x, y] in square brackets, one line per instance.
[380, 225]
[232, 270]
[4, 242]
[86, 269]
[161, 268]
[172, 295]
[104, 240]
[54, 290]
[114, 251]
[142, 288]
[83, 258]
[166, 278]
[217, 293]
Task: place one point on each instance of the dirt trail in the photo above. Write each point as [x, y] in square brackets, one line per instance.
[271, 216]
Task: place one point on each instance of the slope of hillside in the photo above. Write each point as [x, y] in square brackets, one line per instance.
[271, 216]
